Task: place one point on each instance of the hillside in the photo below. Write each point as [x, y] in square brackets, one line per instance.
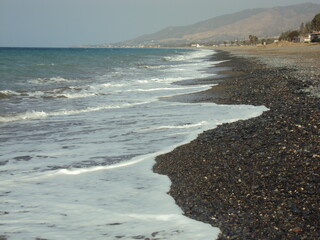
[262, 22]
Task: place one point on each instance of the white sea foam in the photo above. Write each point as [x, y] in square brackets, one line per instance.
[70, 92]
[154, 67]
[49, 80]
[191, 56]
[200, 88]
[34, 94]
[155, 89]
[33, 115]
[182, 126]
[46, 64]
[76, 95]
[170, 79]
[95, 169]
[8, 93]
[108, 85]
[143, 81]
[178, 58]
[55, 93]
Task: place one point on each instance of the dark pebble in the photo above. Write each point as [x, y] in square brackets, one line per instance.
[258, 178]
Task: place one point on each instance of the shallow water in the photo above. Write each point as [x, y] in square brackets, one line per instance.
[80, 129]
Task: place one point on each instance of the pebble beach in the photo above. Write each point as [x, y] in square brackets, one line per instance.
[256, 178]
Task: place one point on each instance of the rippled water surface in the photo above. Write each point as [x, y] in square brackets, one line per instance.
[79, 130]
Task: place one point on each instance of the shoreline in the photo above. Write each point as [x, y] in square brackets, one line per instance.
[257, 178]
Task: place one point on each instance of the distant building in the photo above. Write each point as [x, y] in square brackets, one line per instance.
[303, 39]
[306, 39]
[315, 37]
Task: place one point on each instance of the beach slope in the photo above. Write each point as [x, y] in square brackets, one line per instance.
[258, 178]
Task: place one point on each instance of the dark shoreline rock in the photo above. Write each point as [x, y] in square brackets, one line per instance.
[258, 178]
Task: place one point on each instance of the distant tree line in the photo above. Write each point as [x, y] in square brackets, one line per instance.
[289, 35]
[253, 39]
[305, 28]
[315, 23]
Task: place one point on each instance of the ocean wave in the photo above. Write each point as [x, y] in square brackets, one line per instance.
[97, 168]
[75, 95]
[45, 64]
[189, 56]
[155, 89]
[108, 85]
[34, 94]
[49, 80]
[143, 81]
[35, 115]
[182, 126]
[170, 79]
[70, 92]
[8, 94]
[65, 92]
[31, 115]
[167, 59]
[154, 66]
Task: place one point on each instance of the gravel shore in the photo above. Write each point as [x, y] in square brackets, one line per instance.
[258, 178]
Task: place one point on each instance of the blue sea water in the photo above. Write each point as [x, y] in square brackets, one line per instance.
[79, 131]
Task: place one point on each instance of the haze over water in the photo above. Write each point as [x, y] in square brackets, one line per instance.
[79, 131]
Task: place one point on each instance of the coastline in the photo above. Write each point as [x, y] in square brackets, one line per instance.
[257, 178]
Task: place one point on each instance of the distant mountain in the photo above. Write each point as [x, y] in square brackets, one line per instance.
[261, 22]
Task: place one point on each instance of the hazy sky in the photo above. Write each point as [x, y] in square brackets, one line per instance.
[63, 23]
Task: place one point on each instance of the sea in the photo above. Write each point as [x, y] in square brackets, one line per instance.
[79, 132]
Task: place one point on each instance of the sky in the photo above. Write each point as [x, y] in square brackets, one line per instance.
[65, 23]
